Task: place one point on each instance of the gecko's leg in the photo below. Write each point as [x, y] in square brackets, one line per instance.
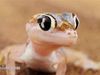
[80, 59]
[88, 64]
[62, 67]
[10, 65]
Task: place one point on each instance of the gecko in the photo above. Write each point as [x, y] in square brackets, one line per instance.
[50, 36]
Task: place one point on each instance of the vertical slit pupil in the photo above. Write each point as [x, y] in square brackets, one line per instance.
[44, 23]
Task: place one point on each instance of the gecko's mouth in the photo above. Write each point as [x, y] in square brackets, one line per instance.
[54, 37]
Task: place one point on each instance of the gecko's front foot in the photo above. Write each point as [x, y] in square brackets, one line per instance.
[89, 65]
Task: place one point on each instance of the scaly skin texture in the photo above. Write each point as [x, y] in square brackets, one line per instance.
[48, 50]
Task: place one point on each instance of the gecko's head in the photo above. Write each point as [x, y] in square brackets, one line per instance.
[50, 28]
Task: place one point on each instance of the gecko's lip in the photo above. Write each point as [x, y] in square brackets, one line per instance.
[56, 37]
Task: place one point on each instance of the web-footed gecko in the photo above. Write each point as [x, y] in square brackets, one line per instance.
[49, 37]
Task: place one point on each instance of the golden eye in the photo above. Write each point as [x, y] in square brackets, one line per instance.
[46, 22]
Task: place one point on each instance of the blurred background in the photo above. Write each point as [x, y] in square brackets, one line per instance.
[15, 13]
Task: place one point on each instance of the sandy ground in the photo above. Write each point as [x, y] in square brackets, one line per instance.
[15, 13]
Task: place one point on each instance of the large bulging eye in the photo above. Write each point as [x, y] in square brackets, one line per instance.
[44, 23]
[76, 21]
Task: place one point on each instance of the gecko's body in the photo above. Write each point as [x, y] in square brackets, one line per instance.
[49, 36]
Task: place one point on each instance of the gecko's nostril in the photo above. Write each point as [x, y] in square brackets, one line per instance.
[74, 32]
[69, 33]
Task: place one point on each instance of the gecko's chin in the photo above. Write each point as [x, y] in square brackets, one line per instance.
[56, 37]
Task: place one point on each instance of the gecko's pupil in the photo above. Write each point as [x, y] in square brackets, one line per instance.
[44, 23]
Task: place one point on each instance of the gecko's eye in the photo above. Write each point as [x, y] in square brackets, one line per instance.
[46, 22]
[76, 21]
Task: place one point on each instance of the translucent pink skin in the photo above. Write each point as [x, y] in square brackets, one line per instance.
[54, 36]
[45, 39]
